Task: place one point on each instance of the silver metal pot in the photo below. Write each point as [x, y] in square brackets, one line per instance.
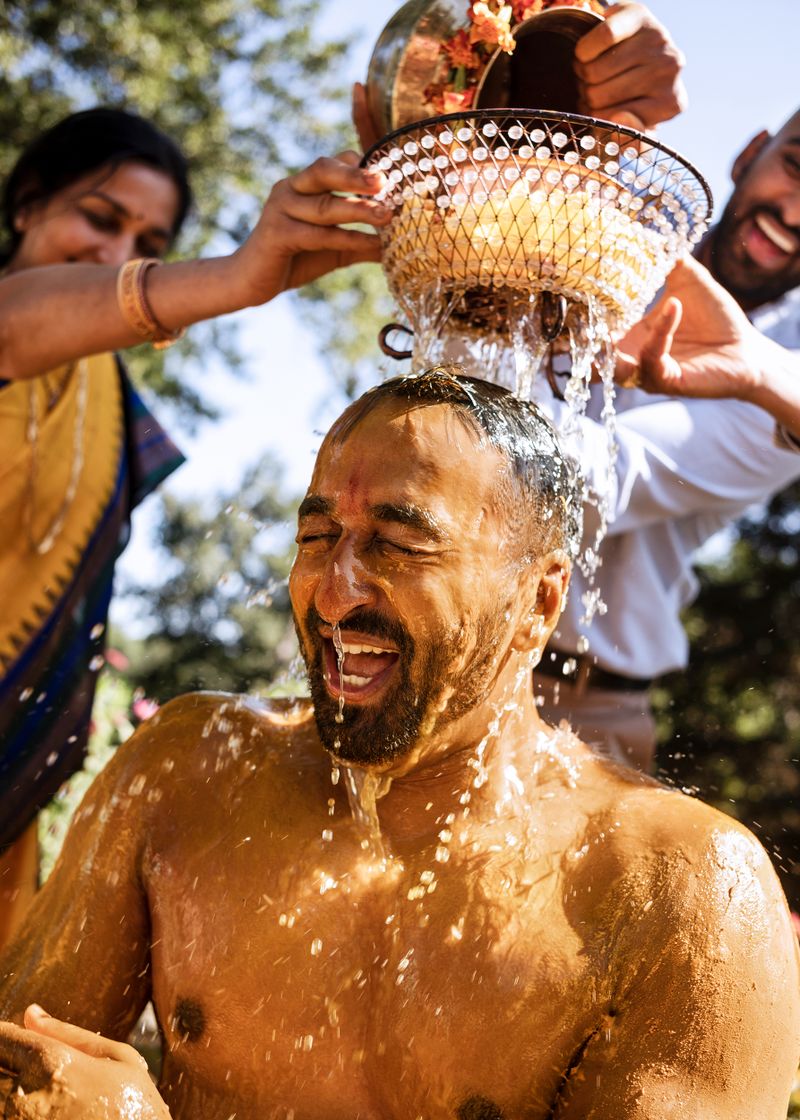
[407, 59]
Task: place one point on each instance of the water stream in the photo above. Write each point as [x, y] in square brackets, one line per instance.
[501, 339]
[364, 789]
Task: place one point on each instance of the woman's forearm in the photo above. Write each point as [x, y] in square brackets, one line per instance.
[62, 312]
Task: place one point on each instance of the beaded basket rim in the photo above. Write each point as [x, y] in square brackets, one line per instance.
[550, 116]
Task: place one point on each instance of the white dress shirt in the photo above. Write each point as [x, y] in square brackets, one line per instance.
[684, 470]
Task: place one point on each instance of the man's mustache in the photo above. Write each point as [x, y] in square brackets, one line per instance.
[366, 621]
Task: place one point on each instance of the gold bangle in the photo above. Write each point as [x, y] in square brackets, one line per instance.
[135, 306]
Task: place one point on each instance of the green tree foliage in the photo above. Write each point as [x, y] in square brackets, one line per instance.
[250, 91]
[348, 340]
[245, 86]
[730, 726]
[220, 617]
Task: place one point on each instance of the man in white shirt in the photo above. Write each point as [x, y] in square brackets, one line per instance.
[686, 467]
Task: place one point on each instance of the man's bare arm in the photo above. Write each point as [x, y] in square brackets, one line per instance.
[703, 1016]
[83, 950]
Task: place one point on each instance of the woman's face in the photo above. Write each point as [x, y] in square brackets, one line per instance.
[106, 217]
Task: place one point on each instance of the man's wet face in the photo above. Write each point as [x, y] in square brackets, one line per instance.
[398, 545]
[756, 246]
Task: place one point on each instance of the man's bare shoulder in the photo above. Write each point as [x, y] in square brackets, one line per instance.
[674, 872]
[647, 823]
[204, 747]
[220, 728]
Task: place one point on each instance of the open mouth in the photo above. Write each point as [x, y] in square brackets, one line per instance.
[368, 665]
[769, 242]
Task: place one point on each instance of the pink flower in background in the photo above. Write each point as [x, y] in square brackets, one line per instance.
[453, 102]
[116, 659]
[143, 708]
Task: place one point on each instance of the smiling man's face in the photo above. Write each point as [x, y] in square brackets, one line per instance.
[401, 544]
[755, 248]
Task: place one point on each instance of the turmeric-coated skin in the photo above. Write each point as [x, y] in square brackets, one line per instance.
[542, 936]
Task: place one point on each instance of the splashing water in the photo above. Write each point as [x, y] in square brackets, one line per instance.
[337, 645]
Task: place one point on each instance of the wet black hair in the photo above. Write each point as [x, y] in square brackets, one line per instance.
[549, 488]
[82, 143]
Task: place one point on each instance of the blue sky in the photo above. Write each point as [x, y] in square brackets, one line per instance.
[742, 75]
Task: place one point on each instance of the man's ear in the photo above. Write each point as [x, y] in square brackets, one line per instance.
[750, 152]
[547, 591]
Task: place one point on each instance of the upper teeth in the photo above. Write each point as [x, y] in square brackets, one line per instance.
[349, 647]
[775, 233]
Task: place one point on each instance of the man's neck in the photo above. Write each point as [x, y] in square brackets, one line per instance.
[465, 773]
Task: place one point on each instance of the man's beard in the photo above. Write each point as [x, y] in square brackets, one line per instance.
[746, 282]
[381, 732]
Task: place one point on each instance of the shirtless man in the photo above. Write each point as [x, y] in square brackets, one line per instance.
[534, 933]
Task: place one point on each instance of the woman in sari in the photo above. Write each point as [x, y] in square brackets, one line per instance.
[89, 210]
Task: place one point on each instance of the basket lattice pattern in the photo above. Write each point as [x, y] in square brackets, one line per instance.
[492, 205]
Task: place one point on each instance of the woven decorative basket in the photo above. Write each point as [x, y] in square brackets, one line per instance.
[494, 205]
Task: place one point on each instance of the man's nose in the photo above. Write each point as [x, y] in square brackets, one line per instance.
[344, 585]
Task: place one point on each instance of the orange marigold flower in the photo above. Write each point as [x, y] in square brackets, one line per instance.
[459, 51]
[524, 9]
[492, 28]
[585, 5]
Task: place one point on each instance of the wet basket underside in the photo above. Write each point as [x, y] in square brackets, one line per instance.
[492, 206]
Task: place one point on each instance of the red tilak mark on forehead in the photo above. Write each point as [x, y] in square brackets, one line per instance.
[355, 489]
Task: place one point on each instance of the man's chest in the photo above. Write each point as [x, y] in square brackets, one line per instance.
[326, 987]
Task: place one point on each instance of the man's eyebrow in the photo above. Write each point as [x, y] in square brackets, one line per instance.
[124, 212]
[314, 504]
[794, 140]
[406, 514]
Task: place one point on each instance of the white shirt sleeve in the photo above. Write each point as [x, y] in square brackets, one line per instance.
[678, 458]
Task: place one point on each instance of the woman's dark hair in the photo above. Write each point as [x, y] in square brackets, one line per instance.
[86, 142]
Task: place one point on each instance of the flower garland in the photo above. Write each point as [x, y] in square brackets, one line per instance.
[470, 49]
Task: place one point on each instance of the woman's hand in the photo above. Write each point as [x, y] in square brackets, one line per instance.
[300, 234]
[62, 1072]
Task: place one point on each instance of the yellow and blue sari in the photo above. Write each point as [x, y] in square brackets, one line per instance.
[54, 601]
